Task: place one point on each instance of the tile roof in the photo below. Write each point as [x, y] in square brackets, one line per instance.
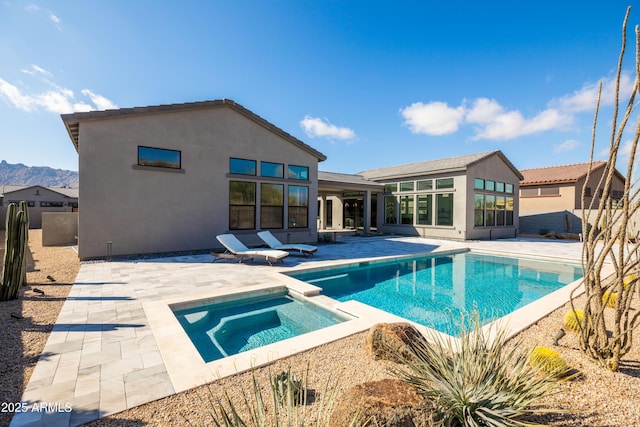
[72, 121]
[563, 174]
[449, 164]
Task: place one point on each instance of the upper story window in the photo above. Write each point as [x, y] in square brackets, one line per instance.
[528, 192]
[549, 191]
[444, 183]
[425, 185]
[390, 188]
[508, 188]
[500, 187]
[406, 186]
[272, 170]
[478, 184]
[242, 166]
[490, 185]
[159, 157]
[298, 172]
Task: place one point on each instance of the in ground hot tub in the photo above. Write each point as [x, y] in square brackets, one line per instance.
[221, 329]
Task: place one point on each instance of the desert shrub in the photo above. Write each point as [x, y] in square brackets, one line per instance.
[477, 380]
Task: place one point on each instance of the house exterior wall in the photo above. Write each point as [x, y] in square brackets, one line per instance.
[561, 212]
[494, 169]
[141, 209]
[40, 200]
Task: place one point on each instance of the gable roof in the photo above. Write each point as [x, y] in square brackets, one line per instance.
[72, 121]
[446, 165]
[65, 191]
[563, 174]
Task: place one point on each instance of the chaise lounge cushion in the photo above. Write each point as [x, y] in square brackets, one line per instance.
[273, 242]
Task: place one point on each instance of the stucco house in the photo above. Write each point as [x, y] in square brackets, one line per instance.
[39, 200]
[171, 177]
[551, 197]
[465, 197]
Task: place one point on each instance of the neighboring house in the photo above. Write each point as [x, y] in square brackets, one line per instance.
[39, 199]
[551, 197]
[465, 197]
[171, 177]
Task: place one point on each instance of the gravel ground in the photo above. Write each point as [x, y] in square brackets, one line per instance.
[597, 398]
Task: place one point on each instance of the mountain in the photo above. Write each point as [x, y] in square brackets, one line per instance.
[20, 174]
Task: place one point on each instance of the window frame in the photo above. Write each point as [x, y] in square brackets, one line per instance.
[236, 172]
[242, 205]
[171, 165]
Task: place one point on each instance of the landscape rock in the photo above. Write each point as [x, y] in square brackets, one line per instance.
[387, 341]
[388, 403]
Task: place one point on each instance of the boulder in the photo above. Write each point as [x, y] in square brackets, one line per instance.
[388, 403]
[388, 341]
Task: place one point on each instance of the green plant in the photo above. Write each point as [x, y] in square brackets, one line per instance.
[574, 319]
[549, 361]
[476, 380]
[249, 408]
[14, 268]
[287, 388]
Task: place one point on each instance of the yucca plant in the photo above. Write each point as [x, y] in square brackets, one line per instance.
[477, 380]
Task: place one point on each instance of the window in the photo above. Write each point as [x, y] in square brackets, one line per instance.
[390, 188]
[406, 209]
[444, 208]
[528, 192]
[424, 209]
[159, 157]
[500, 187]
[490, 185]
[242, 205]
[500, 210]
[242, 166]
[508, 188]
[51, 204]
[444, 183]
[298, 206]
[587, 192]
[549, 191]
[390, 210]
[489, 210]
[478, 184]
[272, 170]
[509, 210]
[478, 210]
[406, 186]
[298, 172]
[425, 185]
[271, 206]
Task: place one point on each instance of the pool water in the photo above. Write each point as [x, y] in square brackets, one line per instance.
[436, 290]
[222, 329]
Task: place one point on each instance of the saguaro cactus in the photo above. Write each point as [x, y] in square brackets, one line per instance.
[14, 268]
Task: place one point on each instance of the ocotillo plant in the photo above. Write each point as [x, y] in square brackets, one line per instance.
[16, 237]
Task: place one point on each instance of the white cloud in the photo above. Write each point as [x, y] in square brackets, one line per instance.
[585, 98]
[568, 145]
[484, 110]
[34, 8]
[316, 127]
[53, 98]
[434, 118]
[100, 101]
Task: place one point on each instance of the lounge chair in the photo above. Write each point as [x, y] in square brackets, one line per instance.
[273, 242]
[236, 249]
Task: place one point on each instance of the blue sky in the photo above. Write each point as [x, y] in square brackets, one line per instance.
[367, 83]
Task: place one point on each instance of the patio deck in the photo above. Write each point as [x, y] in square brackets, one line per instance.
[103, 355]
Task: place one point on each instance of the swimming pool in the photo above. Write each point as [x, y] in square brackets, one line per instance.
[435, 290]
[221, 329]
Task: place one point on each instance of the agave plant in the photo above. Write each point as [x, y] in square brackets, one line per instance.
[477, 380]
